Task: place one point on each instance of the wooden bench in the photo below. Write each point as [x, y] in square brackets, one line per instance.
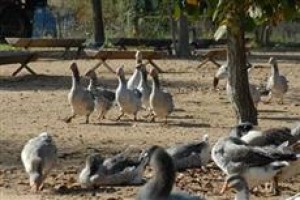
[158, 44]
[104, 55]
[211, 55]
[13, 57]
[67, 44]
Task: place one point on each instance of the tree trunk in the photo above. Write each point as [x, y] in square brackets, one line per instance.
[183, 49]
[99, 36]
[238, 77]
[172, 24]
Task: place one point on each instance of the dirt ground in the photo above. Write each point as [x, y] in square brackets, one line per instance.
[30, 105]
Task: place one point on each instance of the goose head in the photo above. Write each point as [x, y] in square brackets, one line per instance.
[138, 56]
[153, 72]
[120, 71]
[241, 129]
[272, 61]
[91, 74]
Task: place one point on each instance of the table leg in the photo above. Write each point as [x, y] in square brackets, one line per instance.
[108, 67]
[25, 65]
[155, 66]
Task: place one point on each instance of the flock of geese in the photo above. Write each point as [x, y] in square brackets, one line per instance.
[248, 157]
[130, 97]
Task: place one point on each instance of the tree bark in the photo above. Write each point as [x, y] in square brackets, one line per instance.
[172, 24]
[183, 49]
[99, 36]
[238, 77]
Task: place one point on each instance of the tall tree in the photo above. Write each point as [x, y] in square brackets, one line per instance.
[234, 17]
[99, 36]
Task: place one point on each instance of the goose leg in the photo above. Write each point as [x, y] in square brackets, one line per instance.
[152, 119]
[275, 187]
[135, 117]
[69, 119]
[280, 100]
[268, 100]
[120, 116]
[87, 119]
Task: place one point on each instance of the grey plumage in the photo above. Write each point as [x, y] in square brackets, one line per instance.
[117, 170]
[190, 155]
[80, 99]
[39, 156]
[160, 186]
[104, 98]
[256, 164]
[277, 84]
[161, 102]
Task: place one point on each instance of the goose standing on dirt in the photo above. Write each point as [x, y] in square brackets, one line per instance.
[118, 170]
[39, 156]
[277, 84]
[277, 137]
[223, 73]
[160, 186]
[104, 98]
[144, 87]
[129, 101]
[256, 164]
[80, 99]
[190, 155]
[134, 80]
[161, 102]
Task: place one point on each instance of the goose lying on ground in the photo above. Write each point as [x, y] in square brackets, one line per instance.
[118, 170]
[129, 101]
[104, 98]
[190, 155]
[135, 79]
[161, 102]
[39, 156]
[277, 84]
[80, 99]
[161, 184]
[256, 164]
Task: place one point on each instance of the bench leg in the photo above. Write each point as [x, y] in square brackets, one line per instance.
[108, 67]
[26, 67]
[203, 62]
[155, 66]
[102, 62]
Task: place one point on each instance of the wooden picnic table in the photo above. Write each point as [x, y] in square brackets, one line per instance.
[104, 55]
[66, 43]
[22, 57]
[158, 44]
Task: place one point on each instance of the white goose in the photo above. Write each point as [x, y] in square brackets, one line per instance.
[161, 102]
[134, 80]
[80, 99]
[144, 87]
[104, 98]
[129, 101]
[277, 84]
[277, 137]
[39, 156]
[256, 164]
[222, 73]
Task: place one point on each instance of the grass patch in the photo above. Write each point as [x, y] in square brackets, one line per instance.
[6, 47]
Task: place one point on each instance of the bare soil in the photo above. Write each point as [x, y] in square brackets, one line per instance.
[30, 105]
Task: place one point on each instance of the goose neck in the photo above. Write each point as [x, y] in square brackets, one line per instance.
[75, 78]
[274, 69]
[156, 83]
